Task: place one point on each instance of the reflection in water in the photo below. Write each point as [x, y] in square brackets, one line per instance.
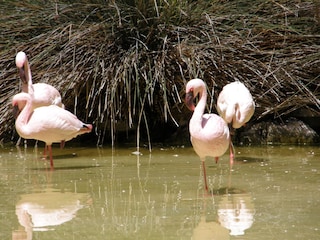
[235, 212]
[232, 209]
[41, 211]
[160, 195]
[209, 230]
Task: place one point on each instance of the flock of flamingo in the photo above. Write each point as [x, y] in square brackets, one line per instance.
[40, 115]
[209, 133]
[39, 111]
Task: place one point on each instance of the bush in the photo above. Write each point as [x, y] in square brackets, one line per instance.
[123, 64]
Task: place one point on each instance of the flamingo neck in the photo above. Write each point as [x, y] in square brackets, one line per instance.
[26, 112]
[27, 86]
[199, 109]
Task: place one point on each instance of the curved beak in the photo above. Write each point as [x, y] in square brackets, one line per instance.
[189, 100]
[22, 75]
[15, 111]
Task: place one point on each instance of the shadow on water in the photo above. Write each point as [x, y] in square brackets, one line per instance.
[227, 190]
[246, 159]
[65, 156]
[79, 167]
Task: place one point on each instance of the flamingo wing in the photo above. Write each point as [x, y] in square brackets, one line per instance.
[235, 104]
[54, 124]
[212, 139]
[45, 95]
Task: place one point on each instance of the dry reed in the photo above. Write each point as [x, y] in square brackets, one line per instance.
[123, 65]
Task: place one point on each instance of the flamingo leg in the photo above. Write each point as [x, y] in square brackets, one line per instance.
[50, 153]
[62, 143]
[204, 175]
[231, 153]
[45, 151]
[18, 142]
[232, 131]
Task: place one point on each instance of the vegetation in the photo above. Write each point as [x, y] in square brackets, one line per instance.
[123, 64]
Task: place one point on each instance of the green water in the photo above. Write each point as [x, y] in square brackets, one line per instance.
[100, 193]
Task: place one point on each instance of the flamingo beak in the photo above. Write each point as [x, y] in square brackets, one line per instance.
[15, 111]
[189, 100]
[22, 74]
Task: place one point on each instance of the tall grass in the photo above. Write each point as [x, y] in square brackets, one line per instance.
[123, 65]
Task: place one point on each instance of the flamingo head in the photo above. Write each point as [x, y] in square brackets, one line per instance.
[194, 88]
[18, 102]
[15, 111]
[21, 61]
[20, 97]
[21, 58]
[189, 100]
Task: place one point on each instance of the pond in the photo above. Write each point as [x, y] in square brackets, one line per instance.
[104, 193]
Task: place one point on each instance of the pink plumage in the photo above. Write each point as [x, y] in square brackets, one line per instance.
[43, 94]
[209, 132]
[235, 104]
[48, 124]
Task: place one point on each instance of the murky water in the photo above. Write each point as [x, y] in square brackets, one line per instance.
[100, 193]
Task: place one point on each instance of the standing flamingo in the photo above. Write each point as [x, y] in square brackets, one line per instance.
[209, 132]
[48, 124]
[235, 105]
[43, 94]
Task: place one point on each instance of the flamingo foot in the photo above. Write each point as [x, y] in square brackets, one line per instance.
[207, 194]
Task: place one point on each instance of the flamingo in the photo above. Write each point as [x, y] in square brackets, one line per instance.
[209, 132]
[43, 94]
[236, 106]
[48, 124]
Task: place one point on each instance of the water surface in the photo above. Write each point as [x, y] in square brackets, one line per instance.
[104, 193]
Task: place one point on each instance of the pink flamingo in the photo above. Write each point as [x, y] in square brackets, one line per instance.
[209, 132]
[48, 124]
[235, 105]
[43, 94]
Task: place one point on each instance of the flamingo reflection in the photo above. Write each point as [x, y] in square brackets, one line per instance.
[236, 213]
[207, 230]
[45, 210]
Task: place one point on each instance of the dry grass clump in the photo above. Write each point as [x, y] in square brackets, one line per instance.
[123, 64]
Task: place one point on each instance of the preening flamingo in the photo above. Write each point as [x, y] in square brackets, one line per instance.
[43, 94]
[235, 105]
[209, 132]
[48, 124]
